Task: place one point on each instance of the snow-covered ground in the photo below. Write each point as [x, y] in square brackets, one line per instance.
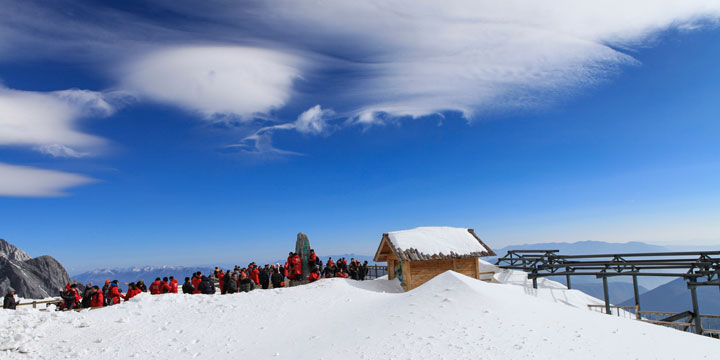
[450, 317]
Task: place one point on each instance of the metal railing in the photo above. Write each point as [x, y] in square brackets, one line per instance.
[376, 271]
[684, 321]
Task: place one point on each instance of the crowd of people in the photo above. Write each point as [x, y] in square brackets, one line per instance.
[226, 281]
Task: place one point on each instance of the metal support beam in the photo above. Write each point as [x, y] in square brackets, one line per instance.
[607, 296]
[567, 279]
[534, 283]
[696, 310]
[637, 292]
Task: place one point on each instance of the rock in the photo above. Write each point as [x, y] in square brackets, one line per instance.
[302, 247]
[9, 251]
[32, 278]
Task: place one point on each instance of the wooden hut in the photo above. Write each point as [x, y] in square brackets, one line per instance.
[416, 256]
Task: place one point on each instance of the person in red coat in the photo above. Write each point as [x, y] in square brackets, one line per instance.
[196, 282]
[173, 285]
[96, 299]
[297, 266]
[330, 262]
[165, 286]
[314, 276]
[255, 275]
[78, 298]
[114, 291]
[220, 275]
[341, 273]
[132, 291]
[156, 287]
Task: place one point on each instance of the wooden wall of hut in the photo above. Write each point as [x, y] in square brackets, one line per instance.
[416, 273]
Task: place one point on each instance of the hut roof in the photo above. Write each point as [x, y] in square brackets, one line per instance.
[429, 243]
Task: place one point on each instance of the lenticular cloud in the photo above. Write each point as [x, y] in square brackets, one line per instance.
[29, 181]
[418, 57]
[401, 57]
[214, 80]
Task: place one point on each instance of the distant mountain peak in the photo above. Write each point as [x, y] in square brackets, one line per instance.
[38, 277]
[11, 252]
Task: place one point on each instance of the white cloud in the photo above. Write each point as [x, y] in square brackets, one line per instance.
[214, 80]
[47, 122]
[313, 120]
[419, 57]
[33, 182]
[369, 60]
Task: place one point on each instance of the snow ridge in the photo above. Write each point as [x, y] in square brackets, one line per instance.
[451, 316]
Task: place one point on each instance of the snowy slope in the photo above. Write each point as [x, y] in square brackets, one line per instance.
[451, 317]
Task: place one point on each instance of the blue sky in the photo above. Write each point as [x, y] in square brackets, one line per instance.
[154, 135]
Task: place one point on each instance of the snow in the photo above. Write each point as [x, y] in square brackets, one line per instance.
[452, 317]
[436, 240]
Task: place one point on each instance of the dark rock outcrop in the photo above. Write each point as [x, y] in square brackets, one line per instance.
[32, 278]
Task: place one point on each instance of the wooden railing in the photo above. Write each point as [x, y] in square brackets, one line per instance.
[35, 303]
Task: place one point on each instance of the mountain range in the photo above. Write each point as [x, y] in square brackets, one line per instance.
[675, 297]
[133, 274]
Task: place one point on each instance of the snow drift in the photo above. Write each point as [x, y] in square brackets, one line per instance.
[452, 316]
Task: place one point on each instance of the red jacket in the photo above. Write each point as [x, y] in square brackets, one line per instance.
[255, 275]
[330, 263]
[297, 264]
[115, 295]
[174, 286]
[341, 274]
[97, 300]
[312, 259]
[195, 282]
[164, 287]
[156, 287]
[313, 277]
[131, 293]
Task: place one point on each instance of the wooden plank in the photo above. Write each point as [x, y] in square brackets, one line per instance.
[407, 274]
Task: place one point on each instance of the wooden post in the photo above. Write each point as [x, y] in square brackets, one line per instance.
[406, 267]
[534, 283]
[607, 296]
[34, 304]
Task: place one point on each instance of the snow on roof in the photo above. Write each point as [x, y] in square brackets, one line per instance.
[438, 240]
